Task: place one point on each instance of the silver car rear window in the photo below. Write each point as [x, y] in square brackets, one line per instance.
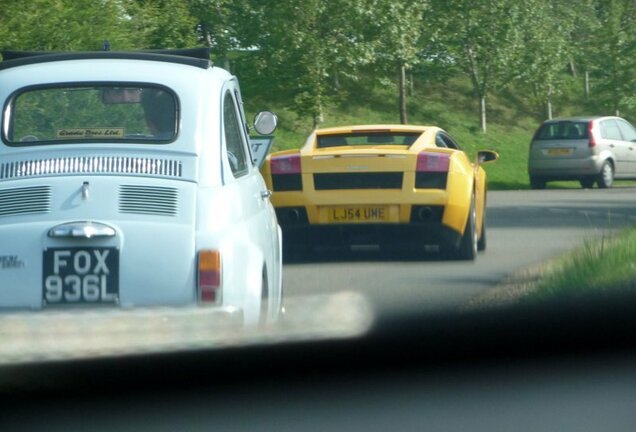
[90, 113]
[562, 130]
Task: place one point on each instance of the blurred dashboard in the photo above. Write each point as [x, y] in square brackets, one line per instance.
[562, 366]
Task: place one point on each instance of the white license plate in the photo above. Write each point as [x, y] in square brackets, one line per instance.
[80, 276]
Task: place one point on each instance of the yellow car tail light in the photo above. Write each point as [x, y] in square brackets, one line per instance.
[286, 174]
[432, 170]
[285, 164]
[432, 162]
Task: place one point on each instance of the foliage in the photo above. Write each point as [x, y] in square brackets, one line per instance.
[482, 38]
[59, 25]
[546, 50]
[303, 48]
[397, 30]
[615, 54]
[312, 55]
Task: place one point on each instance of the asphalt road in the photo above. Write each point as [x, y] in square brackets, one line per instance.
[524, 228]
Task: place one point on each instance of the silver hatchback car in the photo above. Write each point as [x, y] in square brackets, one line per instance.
[588, 149]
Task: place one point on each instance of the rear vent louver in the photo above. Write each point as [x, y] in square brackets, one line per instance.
[149, 200]
[26, 200]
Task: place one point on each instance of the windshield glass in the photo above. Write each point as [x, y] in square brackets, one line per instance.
[127, 182]
[77, 113]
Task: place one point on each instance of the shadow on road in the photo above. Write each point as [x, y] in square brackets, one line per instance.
[370, 253]
[570, 215]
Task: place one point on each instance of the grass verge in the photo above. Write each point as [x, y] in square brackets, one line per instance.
[605, 264]
[602, 264]
[449, 105]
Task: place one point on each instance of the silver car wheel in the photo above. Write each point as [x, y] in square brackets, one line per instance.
[606, 177]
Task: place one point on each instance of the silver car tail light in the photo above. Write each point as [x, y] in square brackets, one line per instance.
[590, 132]
[209, 280]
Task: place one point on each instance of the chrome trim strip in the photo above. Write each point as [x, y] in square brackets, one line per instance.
[91, 165]
[84, 229]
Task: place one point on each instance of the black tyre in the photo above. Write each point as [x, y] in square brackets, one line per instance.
[481, 243]
[264, 312]
[605, 178]
[467, 250]
[537, 183]
[295, 253]
[587, 182]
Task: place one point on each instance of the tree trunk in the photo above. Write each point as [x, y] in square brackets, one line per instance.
[587, 84]
[479, 87]
[549, 102]
[572, 68]
[402, 90]
[482, 112]
[318, 116]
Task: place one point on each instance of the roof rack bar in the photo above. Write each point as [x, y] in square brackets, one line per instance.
[198, 57]
[200, 53]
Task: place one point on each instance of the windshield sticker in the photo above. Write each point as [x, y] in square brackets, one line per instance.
[90, 133]
[10, 262]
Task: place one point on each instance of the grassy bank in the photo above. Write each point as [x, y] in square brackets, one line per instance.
[607, 263]
[451, 106]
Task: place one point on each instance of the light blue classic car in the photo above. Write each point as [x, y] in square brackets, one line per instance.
[127, 180]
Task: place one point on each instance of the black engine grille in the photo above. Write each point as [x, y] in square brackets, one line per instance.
[377, 180]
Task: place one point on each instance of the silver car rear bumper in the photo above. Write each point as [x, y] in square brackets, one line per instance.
[561, 168]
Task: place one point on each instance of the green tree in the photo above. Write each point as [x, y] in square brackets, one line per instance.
[614, 54]
[222, 25]
[62, 25]
[396, 28]
[481, 38]
[158, 24]
[547, 49]
[304, 47]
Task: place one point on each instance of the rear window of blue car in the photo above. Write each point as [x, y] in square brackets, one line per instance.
[367, 138]
[91, 113]
[562, 130]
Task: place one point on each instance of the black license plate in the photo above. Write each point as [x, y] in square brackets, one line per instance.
[80, 276]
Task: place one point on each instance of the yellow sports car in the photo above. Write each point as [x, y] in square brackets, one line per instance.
[386, 185]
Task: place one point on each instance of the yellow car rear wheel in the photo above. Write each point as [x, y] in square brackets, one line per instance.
[467, 250]
[481, 244]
